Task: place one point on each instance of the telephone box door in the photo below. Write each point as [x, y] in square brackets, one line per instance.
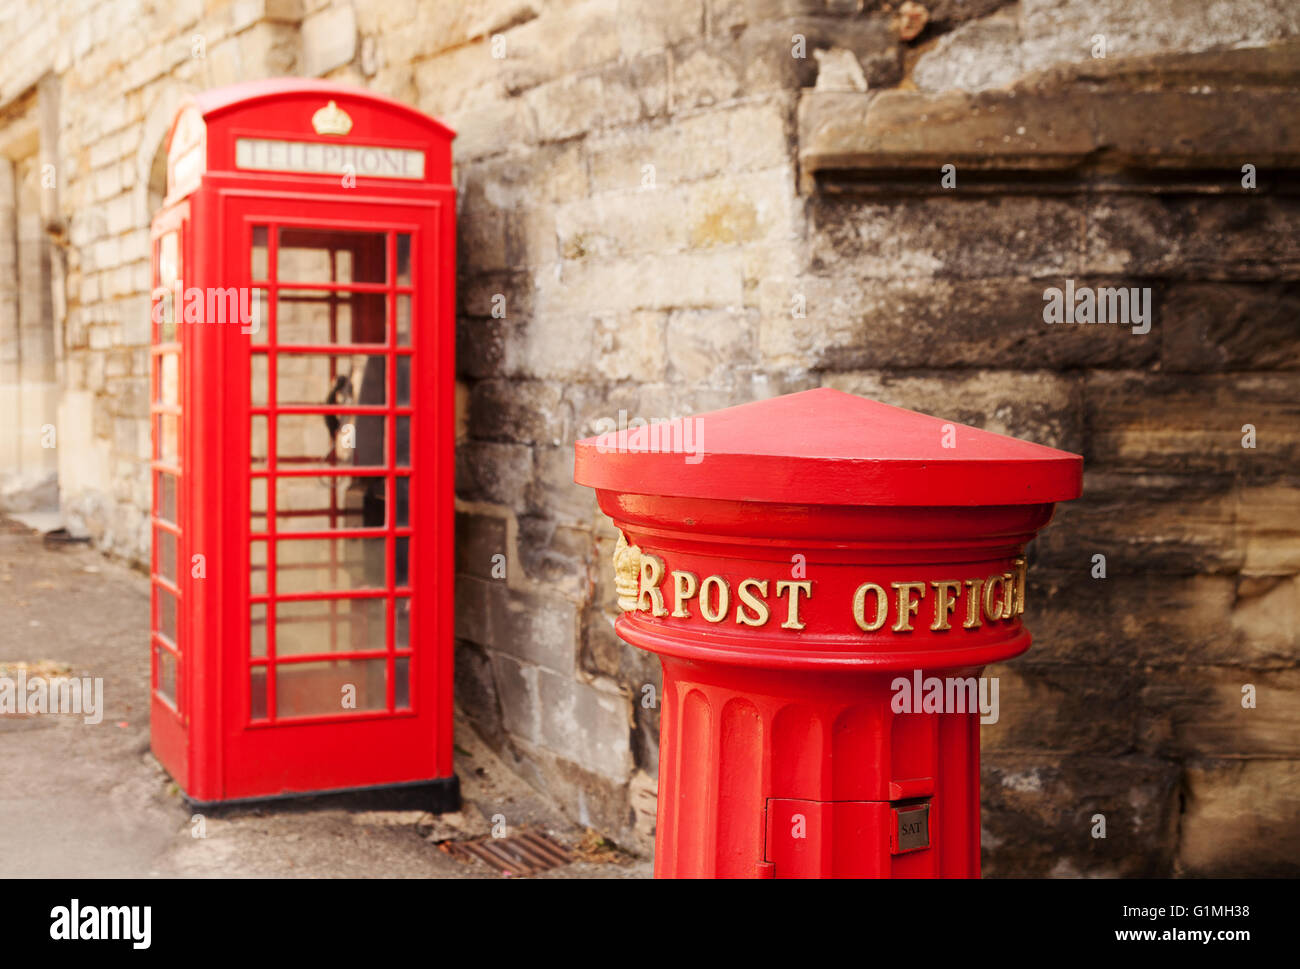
[339, 377]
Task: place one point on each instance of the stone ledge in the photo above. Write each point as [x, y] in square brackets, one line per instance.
[1184, 122]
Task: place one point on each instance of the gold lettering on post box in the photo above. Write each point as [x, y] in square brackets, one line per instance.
[651, 598]
[761, 613]
[1021, 571]
[685, 585]
[724, 598]
[792, 611]
[946, 592]
[906, 607]
[993, 600]
[860, 607]
[638, 576]
[973, 603]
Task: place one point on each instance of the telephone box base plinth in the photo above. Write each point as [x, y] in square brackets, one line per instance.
[438, 796]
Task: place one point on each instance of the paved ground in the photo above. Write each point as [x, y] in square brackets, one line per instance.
[82, 800]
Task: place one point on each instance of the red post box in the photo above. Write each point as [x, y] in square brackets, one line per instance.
[824, 578]
[302, 433]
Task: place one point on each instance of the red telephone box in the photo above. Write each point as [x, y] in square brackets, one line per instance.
[302, 411]
[807, 568]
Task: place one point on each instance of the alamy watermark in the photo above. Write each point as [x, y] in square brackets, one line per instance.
[81, 696]
[216, 304]
[951, 694]
[99, 923]
[1124, 306]
[677, 435]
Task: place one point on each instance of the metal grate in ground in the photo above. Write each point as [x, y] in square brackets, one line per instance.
[526, 853]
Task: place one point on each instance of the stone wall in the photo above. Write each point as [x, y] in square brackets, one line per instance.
[638, 233]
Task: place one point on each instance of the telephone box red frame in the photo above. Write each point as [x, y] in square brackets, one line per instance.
[358, 192]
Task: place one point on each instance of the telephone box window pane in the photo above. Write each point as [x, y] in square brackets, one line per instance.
[166, 674]
[401, 555]
[257, 504]
[402, 623]
[169, 259]
[164, 317]
[168, 382]
[166, 613]
[330, 626]
[260, 326]
[311, 318]
[257, 568]
[257, 629]
[403, 380]
[331, 687]
[258, 263]
[329, 564]
[327, 504]
[401, 498]
[402, 683]
[257, 441]
[165, 542]
[166, 496]
[258, 380]
[336, 440]
[403, 259]
[403, 442]
[332, 256]
[403, 320]
[257, 689]
[167, 439]
[330, 378]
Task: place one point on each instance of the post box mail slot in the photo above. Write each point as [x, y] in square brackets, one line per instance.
[303, 428]
[824, 579]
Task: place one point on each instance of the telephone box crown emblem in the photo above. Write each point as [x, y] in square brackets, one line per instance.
[331, 120]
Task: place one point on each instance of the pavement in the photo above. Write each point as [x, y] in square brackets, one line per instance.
[83, 800]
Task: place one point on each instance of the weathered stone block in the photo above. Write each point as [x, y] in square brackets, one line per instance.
[1199, 713]
[586, 725]
[1039, 406]
[517, 687]
[535, 628]
[850, 323]
[1141, 618]
[1230, 326]
[329, 39]
[478, 539]
[488, 471]
[709, 346]
[1226, 831]
[620, 94]
[552, 492]
[1037, 816]
[1063, 709]
[1192, 423]
[925, 238]
[1191, 238]
[1056, 31]
[520, 412]
[1130, 519]
[476, 691]
[473, 609]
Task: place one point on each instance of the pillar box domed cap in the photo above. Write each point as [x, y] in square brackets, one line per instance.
[826, 447]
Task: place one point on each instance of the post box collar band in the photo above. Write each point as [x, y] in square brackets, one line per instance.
[825, 447]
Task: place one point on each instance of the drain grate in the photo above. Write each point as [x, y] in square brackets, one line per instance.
[526, 853]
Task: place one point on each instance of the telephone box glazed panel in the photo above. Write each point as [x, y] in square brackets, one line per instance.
[806, 567]
[303, 433]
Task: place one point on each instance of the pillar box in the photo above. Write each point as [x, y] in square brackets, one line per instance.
[824, 579]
